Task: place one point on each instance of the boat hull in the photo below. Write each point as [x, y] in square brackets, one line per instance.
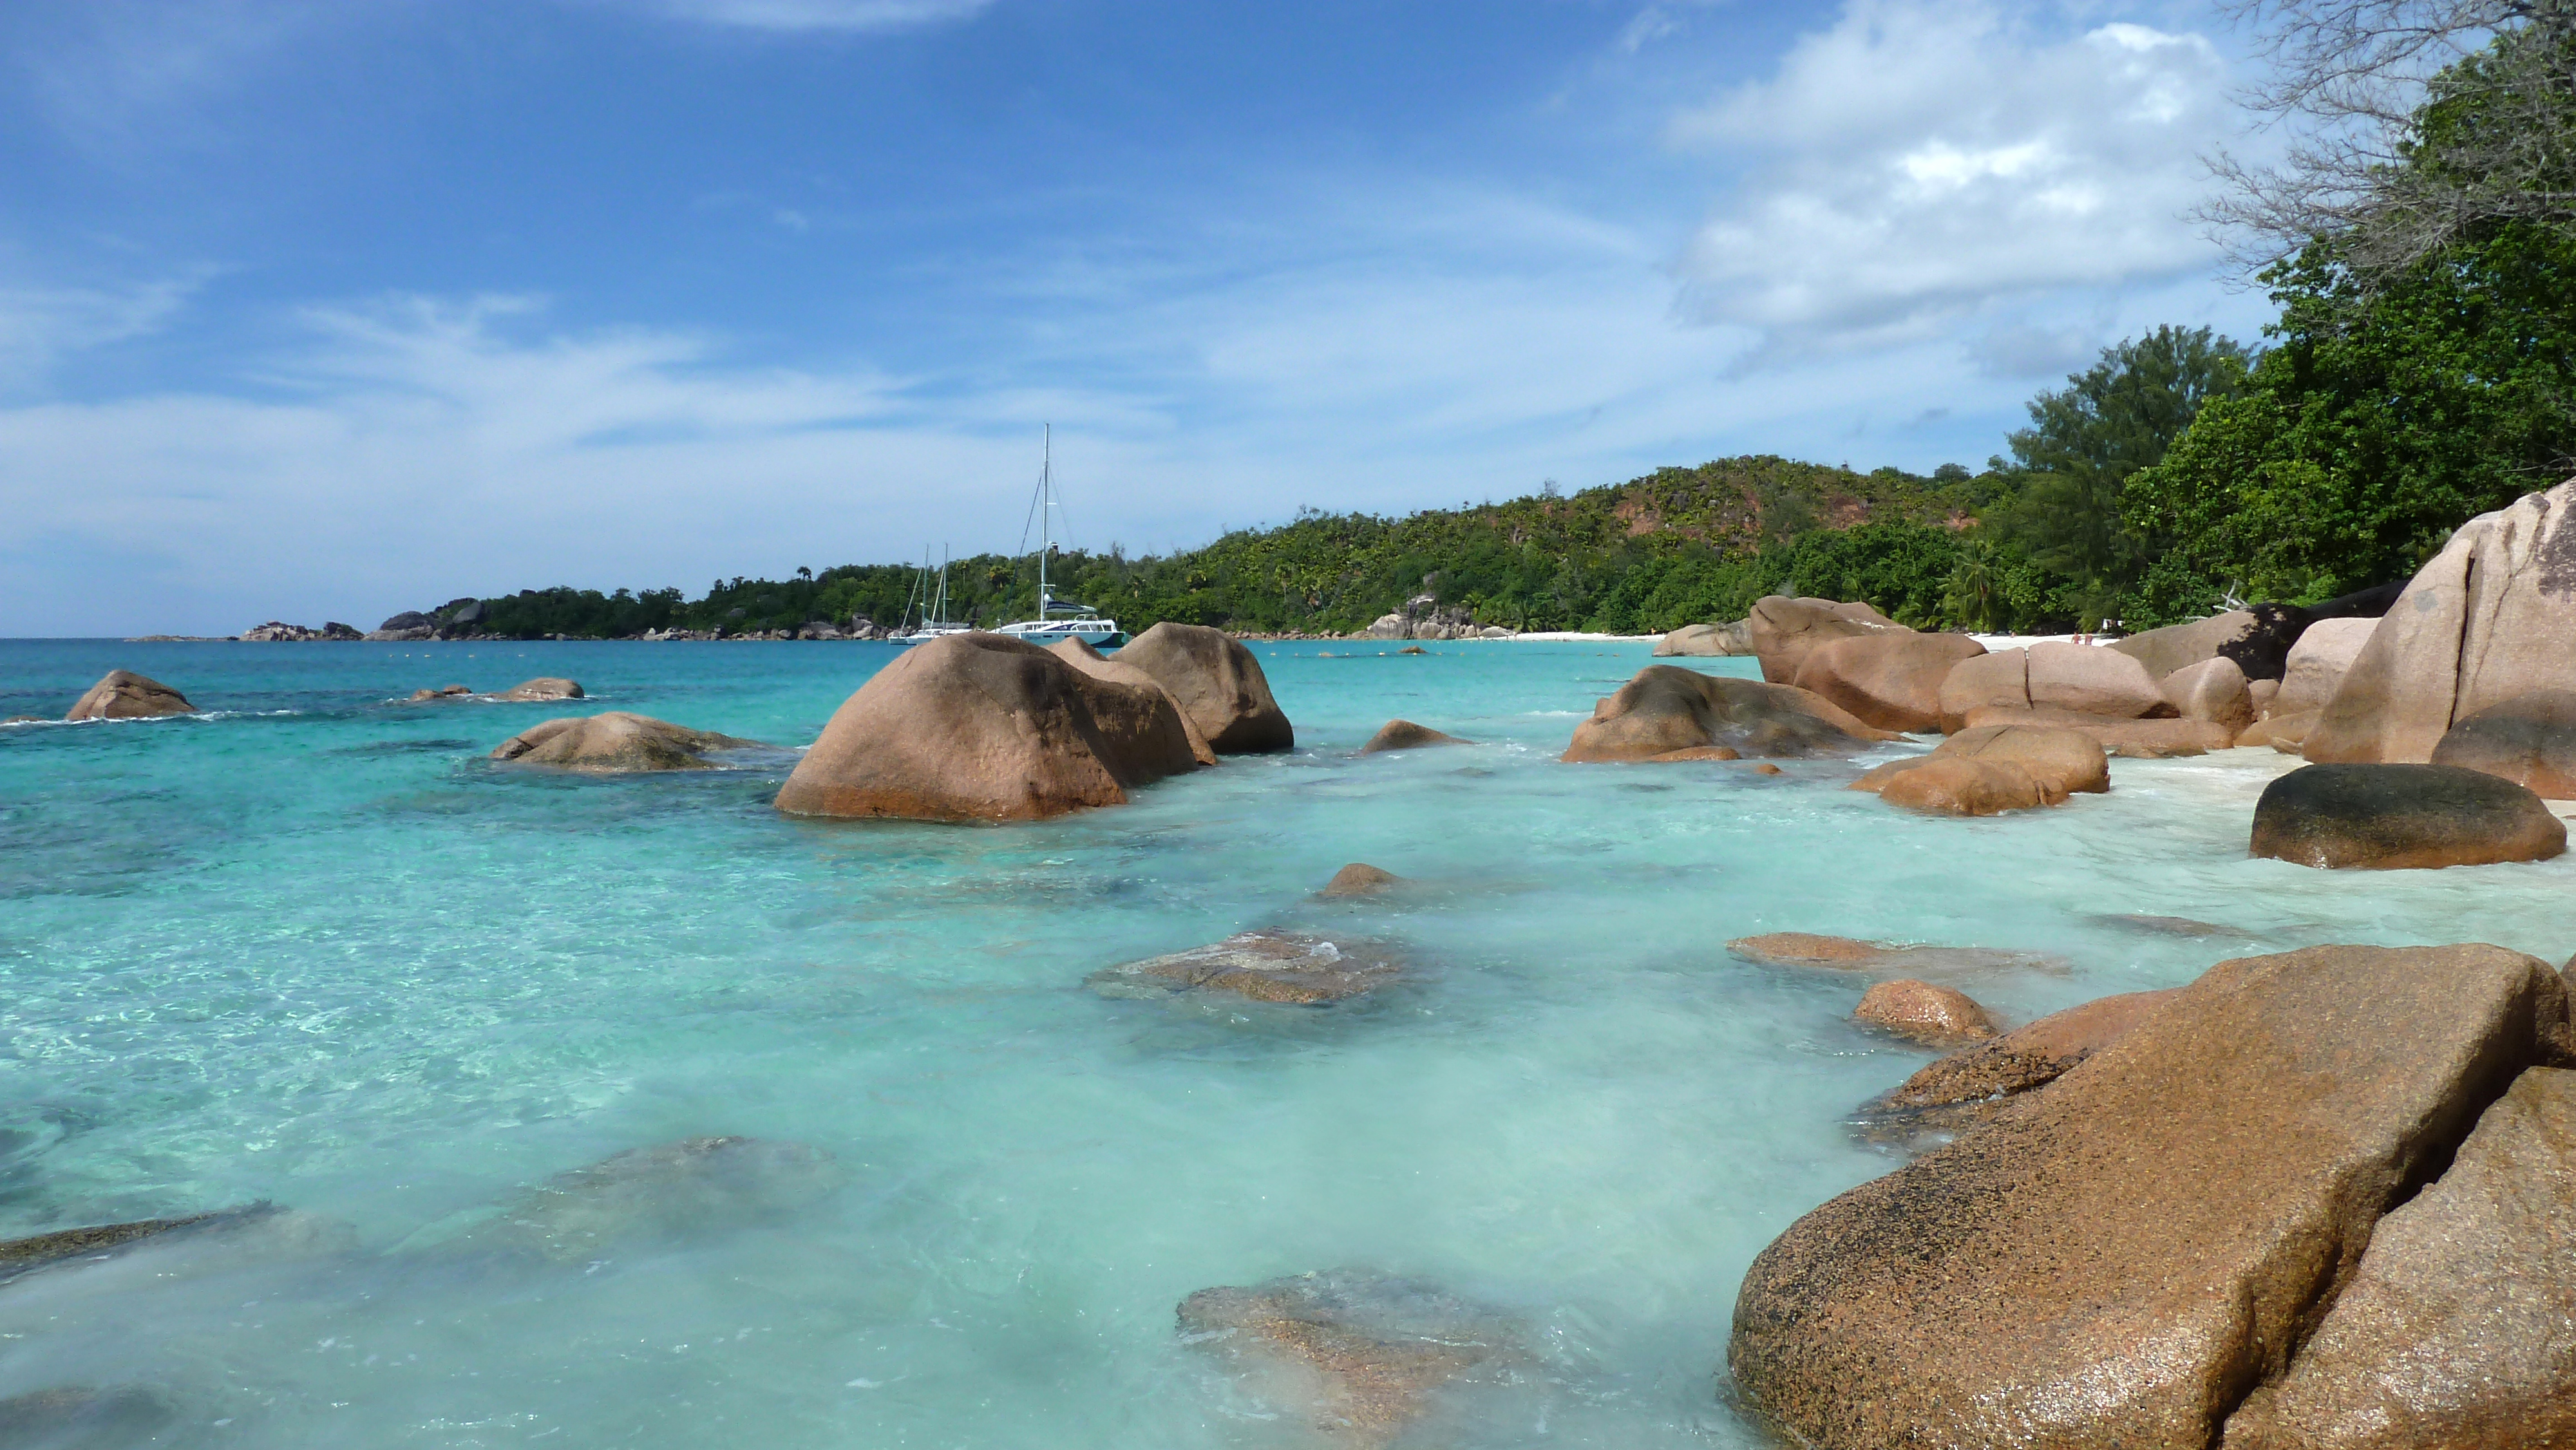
[1097, 633]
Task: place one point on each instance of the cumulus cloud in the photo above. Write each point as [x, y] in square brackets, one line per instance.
[1922, 160]
[810, 15]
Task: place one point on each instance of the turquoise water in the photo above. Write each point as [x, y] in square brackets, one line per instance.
[311, 948]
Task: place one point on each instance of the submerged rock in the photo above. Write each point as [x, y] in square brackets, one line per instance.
[1266, 966]
[2119, 1259]
[1805, 949]
[1921, 1012]
[670, 1190]
[443, 692]
[543, 688]
[1667, 709]
[2164, 925]
[1219, 684]
[125, 695]
[2458, 1328]
[1361, 879]
[1405, 735]
[24, 1256]
[80, 1417]
[2391, 817]
[615, 741]
[1359, 1355]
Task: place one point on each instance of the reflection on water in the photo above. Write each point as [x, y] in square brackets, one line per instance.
[943, 1192]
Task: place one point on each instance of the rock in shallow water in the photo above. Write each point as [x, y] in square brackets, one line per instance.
[616, 742]
[1970, 1085]
[1806, 949]
[26, 1255]
[125, 695]
[2391, 817]
[1922, 1012]
[1266, 966]
[2529, 740]
[691, 1186]
[1666, 710]
[1405, 735]
[1361, 879]
[1892, 681]
[2118, 1259]
[1360, 1355]
[1218, 682]
[545, 687]
[78, 1417]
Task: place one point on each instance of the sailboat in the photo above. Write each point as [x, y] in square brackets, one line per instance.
[1059, 619]
[935, 623]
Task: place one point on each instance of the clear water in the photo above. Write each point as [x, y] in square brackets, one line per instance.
[311, 948]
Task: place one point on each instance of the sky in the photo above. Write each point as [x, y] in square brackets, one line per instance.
[328, 309]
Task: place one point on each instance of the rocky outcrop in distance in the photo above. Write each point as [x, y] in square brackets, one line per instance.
[125, 695]
[279, 632]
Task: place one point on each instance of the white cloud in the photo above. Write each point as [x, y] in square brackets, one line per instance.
[1921, 161]
[39, 326]
[809, 15]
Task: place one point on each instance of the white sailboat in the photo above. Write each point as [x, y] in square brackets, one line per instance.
[1059, 619]
[935, 623]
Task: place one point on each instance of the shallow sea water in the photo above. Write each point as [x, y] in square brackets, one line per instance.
[310, 948]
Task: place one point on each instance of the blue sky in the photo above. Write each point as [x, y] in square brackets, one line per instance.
[329, 310]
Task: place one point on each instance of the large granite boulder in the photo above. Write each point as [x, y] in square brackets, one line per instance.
[1999, 680]
[2458, 1328]
[2490, 618]
[1219, 684]
[2389, 817]
[2119, 1259]
[615, 742]
[1079, 654]
[2318, 662]
[2284, 733]
[978, 727]
[1706, 640]
[1968, 1086]
[1405, 735]
[546, 687]
[1924, 1012]
[2056, 759]
[2214, 690]
[125, 695]
[1782, 630]
[2135, 739]
[1892, 681]
[1358, 1355]
[2180, 646]
[2091, 680]
[1266, 966]
[1666, 710]
[2529, 740]
[1949, 785]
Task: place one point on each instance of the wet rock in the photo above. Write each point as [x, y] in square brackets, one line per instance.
[1706, 640]
[2117, 1260]
[2165, 925]
[79, 1417]
[2392, 817]
[1361, 1356]
[2214, 690]
[2062, 760]
[24, 1256]
[2091, 680]
[1079, 654]
[125, 695]
[1951, 786]
[1970, 1085]
[981, 727]
[2180, 646]
[2488, 619]
[1782, 630]
[544, 688]
[1361, 879]
[1667, 708]
[2459, 1326]
[1701, 752]
[2529, 740]
[1921, 1012]
[616, 742]
[1413, 649]
[2318, 662]
[1805, 949]
[2282, 732]
[443, 692]
[1218, 683]
[1266, 966]
[1892, 681]
[1996, 681]
[681, 1189]
[1405, 735]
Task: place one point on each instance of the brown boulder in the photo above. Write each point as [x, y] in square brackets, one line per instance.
[2062, 760]
[1806, 949]
[1701, 752]
[2318, 662]
[1967, 1086]
[2118, 1260]
[1922, 1012]
[2091, 680]
[2262, 693]
[1995, 681]
[2282, 732]
[1706, 640]
[2180, 646]
[1361, 879]
[1782, 630]
[1079, 654]
[443, 692]
[1358, 1355]
[1952, 786]
[2529, 740]
[1405, 735]
[1892, 681]
[2459, 1326]
[615, 741]
[125, 695]
[2214, 690]
[2394, 817]
[1266, 966]
[2487, 620]
[981, 727]
[545, 688]
[2135, 739]
[1219, 684]
[1667, 708]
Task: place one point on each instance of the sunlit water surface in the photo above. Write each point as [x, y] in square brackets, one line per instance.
[311, 948]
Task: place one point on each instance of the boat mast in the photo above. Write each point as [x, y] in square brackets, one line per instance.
[1046, 514]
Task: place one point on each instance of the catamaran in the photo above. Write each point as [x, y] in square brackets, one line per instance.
[935, 623]
[1059, 619]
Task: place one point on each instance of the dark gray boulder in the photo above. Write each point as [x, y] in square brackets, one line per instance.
[2387, 817]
